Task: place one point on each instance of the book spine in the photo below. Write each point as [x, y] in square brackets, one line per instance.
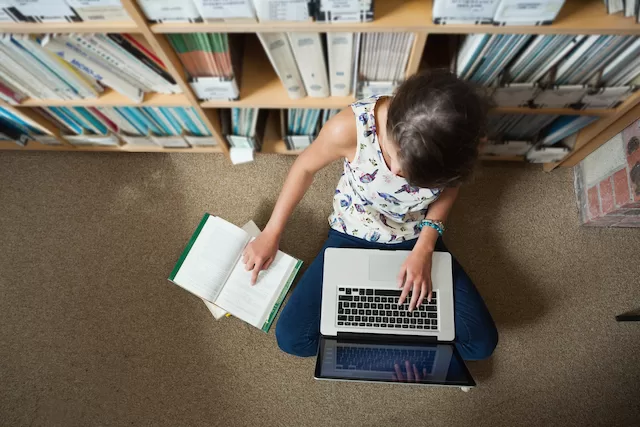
[121, 67]
[27, 70]
[83, 62]
[66, 73]
[285, 290]
[142, 57]
[11, 72]
[190, 244]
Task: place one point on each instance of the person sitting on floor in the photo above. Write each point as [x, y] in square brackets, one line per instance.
[405, 157]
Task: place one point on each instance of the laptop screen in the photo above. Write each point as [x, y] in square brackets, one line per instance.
[417, 363]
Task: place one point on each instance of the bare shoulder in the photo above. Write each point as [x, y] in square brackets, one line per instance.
[339, 133]
[337, 139]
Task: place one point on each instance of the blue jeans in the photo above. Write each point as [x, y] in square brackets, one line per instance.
[298, 329]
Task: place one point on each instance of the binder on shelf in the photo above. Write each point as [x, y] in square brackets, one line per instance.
[41, 11]
[280, 54]
[47, 139]
[566, 96]
[515, 94]
[138, 140]
[607, 97]
[341, 62]
[464, 11]
[159, 11]
[174, 141]
[284, 10]
[226, 10]
[328, 11]
[506, 148]
[244, 127]
[527, 12]
[615, 6]
[630, 7]
[543, 154]
[201, 141]
[309, 55]
[109, 140]
[99, 10]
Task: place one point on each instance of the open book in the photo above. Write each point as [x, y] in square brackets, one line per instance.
[211, 267]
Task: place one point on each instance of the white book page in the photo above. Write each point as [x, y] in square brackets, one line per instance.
[253, 303]
[211, 258]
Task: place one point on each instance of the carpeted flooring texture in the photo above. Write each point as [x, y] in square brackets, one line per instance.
[92, 333]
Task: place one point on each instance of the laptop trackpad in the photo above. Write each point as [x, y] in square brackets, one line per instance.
[385, 266]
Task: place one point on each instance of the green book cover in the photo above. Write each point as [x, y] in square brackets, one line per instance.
[283, 294]
[193, 239]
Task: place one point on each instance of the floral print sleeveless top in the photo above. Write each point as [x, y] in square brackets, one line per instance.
[370, 202]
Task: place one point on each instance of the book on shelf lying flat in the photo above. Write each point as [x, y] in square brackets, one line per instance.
[41, 11]
[226, 10]
[543, 154]
[329, 11]
[99, 10]
[159, 11]
[464, 11]
[283, 10]
[211, 268]
[527, 12]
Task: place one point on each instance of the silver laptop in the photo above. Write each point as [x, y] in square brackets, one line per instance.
[367, 336]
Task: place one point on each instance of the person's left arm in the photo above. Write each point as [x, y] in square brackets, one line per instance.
[415, 273]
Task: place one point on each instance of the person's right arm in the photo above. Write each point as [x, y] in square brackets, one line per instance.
[337, 139]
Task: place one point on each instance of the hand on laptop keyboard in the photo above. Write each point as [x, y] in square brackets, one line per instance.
[415, 277]
[411, 373]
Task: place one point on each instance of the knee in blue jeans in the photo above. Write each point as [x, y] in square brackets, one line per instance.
[291, 341]
[483, 345]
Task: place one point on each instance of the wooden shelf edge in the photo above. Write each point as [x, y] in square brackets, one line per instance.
[576, 17]
[69, 27]
[111, 98]
[36, 146]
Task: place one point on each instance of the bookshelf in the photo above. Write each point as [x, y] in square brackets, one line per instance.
[261, 88]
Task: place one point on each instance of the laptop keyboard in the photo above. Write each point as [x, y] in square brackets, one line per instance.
[382, 359]
[378, 308]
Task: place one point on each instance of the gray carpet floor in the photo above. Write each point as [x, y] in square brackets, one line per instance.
[92, 333]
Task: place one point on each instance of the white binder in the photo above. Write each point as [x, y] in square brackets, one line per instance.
[340, 49]
[307, 50]
[278, 49]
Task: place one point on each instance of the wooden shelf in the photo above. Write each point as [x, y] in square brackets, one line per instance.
[260, 87]
[36, 146]
[272, 142]
[111, 98]
[576, 17]
[69, 27]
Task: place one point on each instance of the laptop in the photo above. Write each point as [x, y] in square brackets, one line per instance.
[366, 336]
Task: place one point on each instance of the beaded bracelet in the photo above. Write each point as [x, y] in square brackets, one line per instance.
[436, 225]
